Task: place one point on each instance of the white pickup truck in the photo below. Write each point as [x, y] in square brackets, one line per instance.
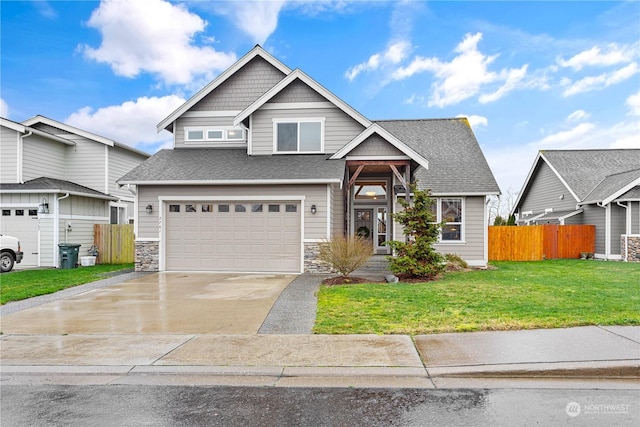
[10, 252]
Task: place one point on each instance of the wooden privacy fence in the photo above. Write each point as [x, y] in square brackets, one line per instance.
[115, 243]
[538, 242]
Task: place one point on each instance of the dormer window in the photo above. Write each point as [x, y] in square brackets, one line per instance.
[231, 134]
[298, 135]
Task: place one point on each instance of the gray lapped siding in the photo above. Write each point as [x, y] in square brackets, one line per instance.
[339, 128]
[42, 157]
[545, 192]
[9, 159]
[242, 88]
[375, 145]
[297, 91]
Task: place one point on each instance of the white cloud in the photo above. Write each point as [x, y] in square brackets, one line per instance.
[394, 54]
[153, 36]
[4, 108]
[566, 137]
[578, 116]
[612, 55]
[633, 102]
[601, 81]
[464, 76]
[132, 123]
[475, 121]
[45, 9]
[258, 19]
[512, 79]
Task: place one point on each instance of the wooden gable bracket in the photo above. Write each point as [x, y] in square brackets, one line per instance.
[355, 176]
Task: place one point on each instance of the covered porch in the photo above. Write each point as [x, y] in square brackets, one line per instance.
[371, 198]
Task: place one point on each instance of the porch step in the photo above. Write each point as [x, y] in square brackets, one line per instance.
[377, 264]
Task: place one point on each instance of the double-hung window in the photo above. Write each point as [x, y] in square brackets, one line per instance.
[451, 217]
[298, 135]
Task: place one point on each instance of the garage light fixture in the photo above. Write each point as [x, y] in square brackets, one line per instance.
[149, 209]
[313, 209]
[43, 207]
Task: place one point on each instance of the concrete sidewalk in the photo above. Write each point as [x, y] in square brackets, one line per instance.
[285, 355]
[576, 357]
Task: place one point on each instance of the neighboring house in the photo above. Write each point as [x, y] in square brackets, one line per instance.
[56, 181]
[598, 187]
[267, 163]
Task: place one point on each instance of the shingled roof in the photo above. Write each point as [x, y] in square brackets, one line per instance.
[52, 185]
[232, 166]
[583, 170]
[456, 162]
[611, 185]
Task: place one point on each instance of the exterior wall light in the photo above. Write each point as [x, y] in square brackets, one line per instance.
[313, 209]
[149, 209]
[43, 207]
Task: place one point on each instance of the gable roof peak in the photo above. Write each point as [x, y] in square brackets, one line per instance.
[294, 75]
[257, 51]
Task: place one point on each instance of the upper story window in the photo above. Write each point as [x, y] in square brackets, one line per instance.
[201, 134]
[298, 135]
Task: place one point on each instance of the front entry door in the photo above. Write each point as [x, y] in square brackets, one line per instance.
[364, 224]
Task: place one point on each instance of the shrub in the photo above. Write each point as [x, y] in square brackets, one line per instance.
[455, 263]
[417, 257]
[345, 254]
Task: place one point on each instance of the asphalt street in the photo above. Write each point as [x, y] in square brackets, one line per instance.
[264, 406]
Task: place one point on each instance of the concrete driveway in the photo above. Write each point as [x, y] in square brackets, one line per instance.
[162, 303]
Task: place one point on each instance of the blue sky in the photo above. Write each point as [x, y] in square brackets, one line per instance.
[528, 75]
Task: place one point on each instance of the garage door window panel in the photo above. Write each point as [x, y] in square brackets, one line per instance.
[174, 208]
[240, 208]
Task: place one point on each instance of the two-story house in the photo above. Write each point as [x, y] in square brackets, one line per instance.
[56, 181]
[267, 163]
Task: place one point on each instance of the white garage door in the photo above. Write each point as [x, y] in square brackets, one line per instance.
[23, 224]
[233, 236]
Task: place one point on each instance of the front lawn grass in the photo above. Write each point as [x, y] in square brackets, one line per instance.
[19, 285]
[514, 295]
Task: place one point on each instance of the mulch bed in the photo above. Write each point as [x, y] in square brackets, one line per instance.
[341, 280]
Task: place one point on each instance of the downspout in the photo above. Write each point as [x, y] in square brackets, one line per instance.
[607, 230]
[19, 170]
[56, 229]
[487, 199]
[627, 229]
[134, 191]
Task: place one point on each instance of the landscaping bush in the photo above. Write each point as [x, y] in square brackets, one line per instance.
[417, 257]
[345, 254]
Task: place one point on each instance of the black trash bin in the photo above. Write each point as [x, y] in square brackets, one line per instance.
[68, 255]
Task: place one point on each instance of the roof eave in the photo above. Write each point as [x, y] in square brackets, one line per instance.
[234, 182]
[61, 191]
[69, 128]
[376, 128]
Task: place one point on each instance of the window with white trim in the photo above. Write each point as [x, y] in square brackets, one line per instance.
[298, 135]
[214, 134]
[449, 213]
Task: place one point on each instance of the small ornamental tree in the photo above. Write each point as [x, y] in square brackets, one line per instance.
[345, 254]
[416, 256]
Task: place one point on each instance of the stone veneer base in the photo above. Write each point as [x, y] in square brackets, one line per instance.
[631, 252]
[147, 257]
